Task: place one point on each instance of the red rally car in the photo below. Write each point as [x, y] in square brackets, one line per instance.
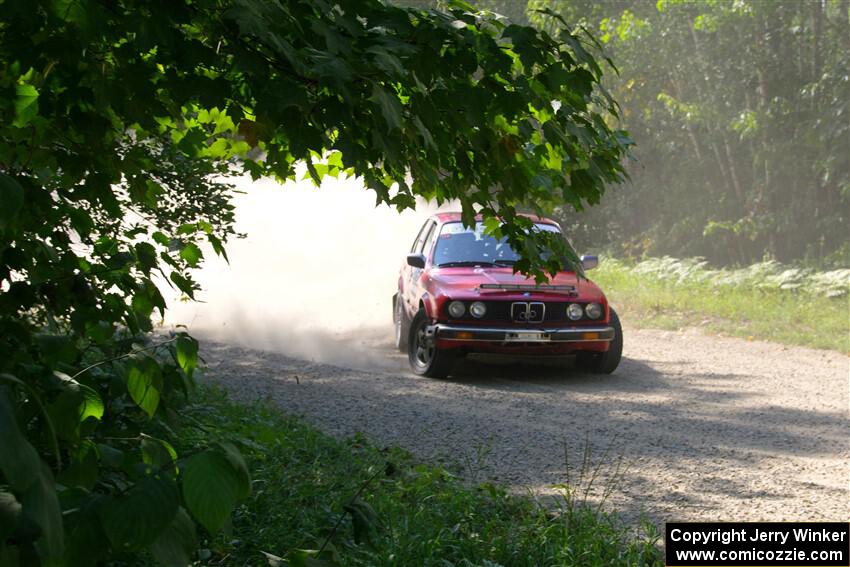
[457, 294]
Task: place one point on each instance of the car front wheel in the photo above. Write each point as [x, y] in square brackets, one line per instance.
[604, 362]
[425, 358]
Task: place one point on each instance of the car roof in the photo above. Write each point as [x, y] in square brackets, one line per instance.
[455, 216]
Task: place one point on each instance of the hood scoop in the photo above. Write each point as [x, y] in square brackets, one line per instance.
[565, 289]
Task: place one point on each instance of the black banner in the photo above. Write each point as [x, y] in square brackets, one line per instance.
[740, 544]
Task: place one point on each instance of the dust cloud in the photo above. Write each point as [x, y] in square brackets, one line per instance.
[314, 277]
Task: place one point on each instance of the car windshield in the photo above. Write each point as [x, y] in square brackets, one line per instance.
[459, 246]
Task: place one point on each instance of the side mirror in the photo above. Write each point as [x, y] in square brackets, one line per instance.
[416, 260]
[589, 262]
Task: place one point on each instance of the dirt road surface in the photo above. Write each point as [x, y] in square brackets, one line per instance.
[701, 427]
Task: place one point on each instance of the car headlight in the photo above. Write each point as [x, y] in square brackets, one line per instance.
[478, 309]
[593, 310]
[575, 312]
[457, 309]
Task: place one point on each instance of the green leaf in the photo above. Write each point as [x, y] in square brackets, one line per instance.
[41, 505]
[389, 105]
[12, 198]
[212, 486]
[461, 5]
[188, 228]
[142, 304]
[183, 284]
[174, 546]
[111, 457]
[234, 457]
[86, 541]
[136, 519]
[218, 246]
[146, 255]
[26, 104]
[157, 452]
[186, 350]
[19, 461]
[92, 405]
[525, 44]
[64, 412]
[144, 382]
[192, 254]
[10, 514]
[363, 519]
[83, 468]
[426, 134]
[335, 160]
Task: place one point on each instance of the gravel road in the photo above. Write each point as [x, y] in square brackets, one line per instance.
[701, 427]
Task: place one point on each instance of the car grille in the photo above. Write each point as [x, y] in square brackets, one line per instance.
[505, 311]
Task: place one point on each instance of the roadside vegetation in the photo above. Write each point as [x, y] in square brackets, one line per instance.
[768, 300]
[361, 505]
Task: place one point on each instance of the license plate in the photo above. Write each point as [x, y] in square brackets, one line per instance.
[527, 337]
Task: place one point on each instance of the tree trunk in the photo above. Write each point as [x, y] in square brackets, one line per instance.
[732, 172]
[704, 101]
[817, 31]
[689, 128]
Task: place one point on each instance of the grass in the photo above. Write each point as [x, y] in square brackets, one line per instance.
[764, 301]
[362, 505]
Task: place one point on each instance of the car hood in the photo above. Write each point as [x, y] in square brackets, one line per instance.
[467, 282]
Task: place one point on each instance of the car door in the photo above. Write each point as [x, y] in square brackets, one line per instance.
[412, 288]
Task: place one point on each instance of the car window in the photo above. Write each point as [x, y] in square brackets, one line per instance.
[420, 236]
[459, 244]
[426, 231]
[429, 239]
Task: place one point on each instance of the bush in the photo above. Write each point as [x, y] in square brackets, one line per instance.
[120, 487]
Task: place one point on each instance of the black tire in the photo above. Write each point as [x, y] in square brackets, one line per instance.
[604, 362]
[426, 360]
[401, 324]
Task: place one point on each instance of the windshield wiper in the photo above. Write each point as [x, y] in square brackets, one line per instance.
[464, 263]
[505, 262]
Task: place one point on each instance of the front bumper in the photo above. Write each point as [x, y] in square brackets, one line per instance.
[509, 335]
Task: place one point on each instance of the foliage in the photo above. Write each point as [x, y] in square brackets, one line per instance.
[514, 10]
[740, 113]
[405, 513]
[766, 300]
[119, 125]
[115, 477]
